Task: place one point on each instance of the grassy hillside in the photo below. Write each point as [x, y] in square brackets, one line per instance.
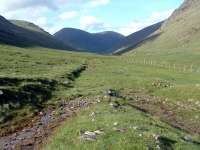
[178, 38]
[27, 36]
[29, 26]
[150, 100]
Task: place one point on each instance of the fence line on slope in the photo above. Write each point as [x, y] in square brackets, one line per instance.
[182, 68]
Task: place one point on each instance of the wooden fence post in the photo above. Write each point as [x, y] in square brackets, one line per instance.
[174, 67]
[191, 68]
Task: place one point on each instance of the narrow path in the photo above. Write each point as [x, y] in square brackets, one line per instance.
[32, 137]
[42, 125]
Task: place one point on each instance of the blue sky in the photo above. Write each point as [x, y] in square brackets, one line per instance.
[124, 16]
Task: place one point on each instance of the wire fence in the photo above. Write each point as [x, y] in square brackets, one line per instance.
[183, 68]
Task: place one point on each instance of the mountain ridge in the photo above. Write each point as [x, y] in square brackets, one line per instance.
[12, 34]
[136, 38]
[102, 43]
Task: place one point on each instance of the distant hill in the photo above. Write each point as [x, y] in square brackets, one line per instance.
[102, 43]
[180, 33]
[26, 34]
[134, 39]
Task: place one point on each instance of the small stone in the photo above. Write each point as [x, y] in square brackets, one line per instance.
[98, 101]
[111, 92]
[88, 136]
[140, 135]
[111, 104]
[1, 92]
[115, 123]
[156, 137]
[105, 96]
[158, 147]
[98, 132]
[119, 129]
[135, 127]
[187, 138]
[90, 133]
[93, 114]
[66, 82]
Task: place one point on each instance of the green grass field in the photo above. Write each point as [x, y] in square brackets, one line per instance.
[170, 98]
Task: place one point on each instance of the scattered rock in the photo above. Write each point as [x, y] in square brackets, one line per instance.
[156, 136]
[158, 147]
[162, 84]
[111, 104]
[88, 136]
[187, 138]
[98, 101]
[135, 127]
[111, 93]
[115, 123]
[66, 82]
[98, 132]
[140, 135]
[41, 113]
[120, 129]
[93, 114]
[1, 92]
[32, 136]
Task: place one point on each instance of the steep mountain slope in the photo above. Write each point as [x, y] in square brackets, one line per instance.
[134, 39]
[180, 34]
[29, 26]
[25, 37]
[102, 43]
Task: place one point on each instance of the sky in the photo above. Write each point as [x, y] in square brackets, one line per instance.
[123, 16]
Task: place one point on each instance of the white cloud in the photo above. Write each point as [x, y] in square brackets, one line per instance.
[53, 29]
[14, 5]
[134, 26]
[68, 15]
[95, 3]
[159, 16]
[41, 21]
[87, 21]
[92, 23]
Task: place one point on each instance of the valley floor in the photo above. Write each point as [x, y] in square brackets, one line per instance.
[152, 107]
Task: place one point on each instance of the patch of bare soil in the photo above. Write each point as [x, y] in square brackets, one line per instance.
[39, 129]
